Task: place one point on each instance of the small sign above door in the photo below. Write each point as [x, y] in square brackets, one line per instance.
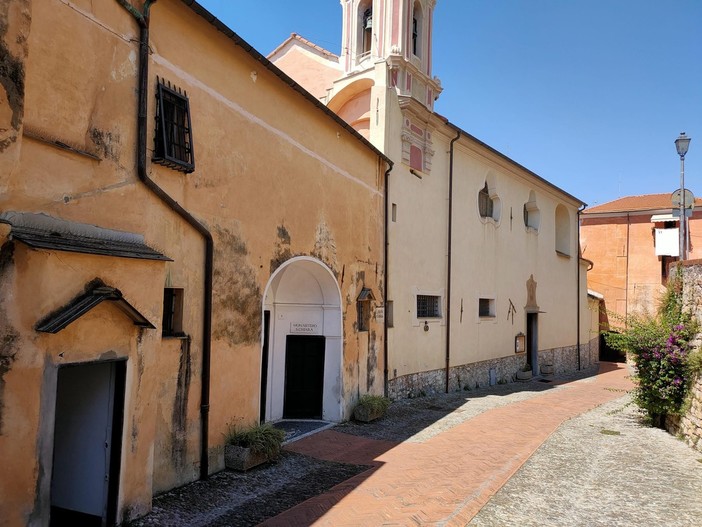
[304, 328]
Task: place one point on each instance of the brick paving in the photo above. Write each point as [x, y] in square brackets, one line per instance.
[446, 479]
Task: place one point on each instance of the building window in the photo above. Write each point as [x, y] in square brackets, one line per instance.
[172, 325]
[428, 306]
[394, 212]
[532, 215]
[486, 307]
[562, 231]
[367, 29]
[417, 30]
[485, 203]
[173, 144]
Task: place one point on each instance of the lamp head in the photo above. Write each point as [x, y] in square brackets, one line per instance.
[682, 143]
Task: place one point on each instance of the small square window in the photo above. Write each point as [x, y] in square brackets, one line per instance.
[172, 325]
[486, 307]
[428, 306]
[173, 144]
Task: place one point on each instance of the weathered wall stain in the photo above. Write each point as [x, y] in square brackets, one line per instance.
[9, 338]
[282, 249]
[12, 74]
[237, 295]
[107, 144]
[371, 360]
[180, 406]
[9, 344]
[325, 247]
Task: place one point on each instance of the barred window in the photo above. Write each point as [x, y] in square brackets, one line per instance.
[428, 306]
[485, 204]
[173, 144]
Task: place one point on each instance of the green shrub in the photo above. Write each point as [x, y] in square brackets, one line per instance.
[374, 403]
[660, 348]
[260, 438]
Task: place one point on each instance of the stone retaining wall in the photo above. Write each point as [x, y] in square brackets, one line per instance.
[689, 425]
[491, 372]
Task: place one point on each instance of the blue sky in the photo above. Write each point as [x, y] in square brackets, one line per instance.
[589, 94]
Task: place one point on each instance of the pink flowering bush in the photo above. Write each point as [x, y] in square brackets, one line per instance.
[660, 347]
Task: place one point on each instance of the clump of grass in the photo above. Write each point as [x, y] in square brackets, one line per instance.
[260, 438]
[374, 403]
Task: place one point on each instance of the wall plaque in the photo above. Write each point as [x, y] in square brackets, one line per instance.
[304, 328]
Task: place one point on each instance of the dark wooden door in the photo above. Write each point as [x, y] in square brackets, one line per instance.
[532, 342]
[304, 377]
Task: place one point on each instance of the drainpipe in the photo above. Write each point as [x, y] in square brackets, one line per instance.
[143, 21]
[385, 278]
[448, 257]
[580, 209]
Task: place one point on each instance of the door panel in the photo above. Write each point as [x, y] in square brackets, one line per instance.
[304, 377]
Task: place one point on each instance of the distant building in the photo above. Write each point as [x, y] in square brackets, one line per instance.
[632, 241]
[481, 249]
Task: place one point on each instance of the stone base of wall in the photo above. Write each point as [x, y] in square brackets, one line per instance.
[689, 425]
[490, 372]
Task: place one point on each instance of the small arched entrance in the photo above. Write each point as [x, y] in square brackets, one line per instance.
[302, 343]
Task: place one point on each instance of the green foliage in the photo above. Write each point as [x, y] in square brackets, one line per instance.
[374, 403]
[661, 350]
[261, 439]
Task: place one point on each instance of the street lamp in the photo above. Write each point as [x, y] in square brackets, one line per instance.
[682, 143]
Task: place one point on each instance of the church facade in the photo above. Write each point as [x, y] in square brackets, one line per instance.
[484, 272]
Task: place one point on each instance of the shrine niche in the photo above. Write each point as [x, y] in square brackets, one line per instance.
[531, 304]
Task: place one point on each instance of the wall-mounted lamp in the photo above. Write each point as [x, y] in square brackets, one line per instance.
[520, 343]
[426, 326]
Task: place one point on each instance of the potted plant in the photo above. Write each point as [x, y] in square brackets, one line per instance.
[524, 373]
[246, 447]
[370, 407]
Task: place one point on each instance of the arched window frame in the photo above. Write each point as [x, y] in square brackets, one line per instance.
[562, 231]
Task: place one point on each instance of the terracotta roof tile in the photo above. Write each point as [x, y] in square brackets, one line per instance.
[637, 203]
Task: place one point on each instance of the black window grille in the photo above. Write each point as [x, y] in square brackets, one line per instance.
[428, 306]
[485, 204]
[173, 144]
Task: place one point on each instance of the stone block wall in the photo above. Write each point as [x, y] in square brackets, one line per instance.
[689, 425]
[490, 372]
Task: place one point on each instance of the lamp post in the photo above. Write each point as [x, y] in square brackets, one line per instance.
[682, 143]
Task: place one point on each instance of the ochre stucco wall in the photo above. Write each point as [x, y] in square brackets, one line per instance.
[275, 178]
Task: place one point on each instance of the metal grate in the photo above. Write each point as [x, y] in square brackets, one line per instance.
[428, 306]
[173, 144]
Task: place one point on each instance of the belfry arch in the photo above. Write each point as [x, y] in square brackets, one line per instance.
[302, 351]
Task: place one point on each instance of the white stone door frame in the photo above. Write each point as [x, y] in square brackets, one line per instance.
[303, 297]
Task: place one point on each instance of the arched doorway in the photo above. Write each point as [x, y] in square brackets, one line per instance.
[302, 343]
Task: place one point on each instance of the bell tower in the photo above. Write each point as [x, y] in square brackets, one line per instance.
[386, 90]
[398, 32]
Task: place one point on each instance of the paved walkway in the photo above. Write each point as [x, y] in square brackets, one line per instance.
[447, 478]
